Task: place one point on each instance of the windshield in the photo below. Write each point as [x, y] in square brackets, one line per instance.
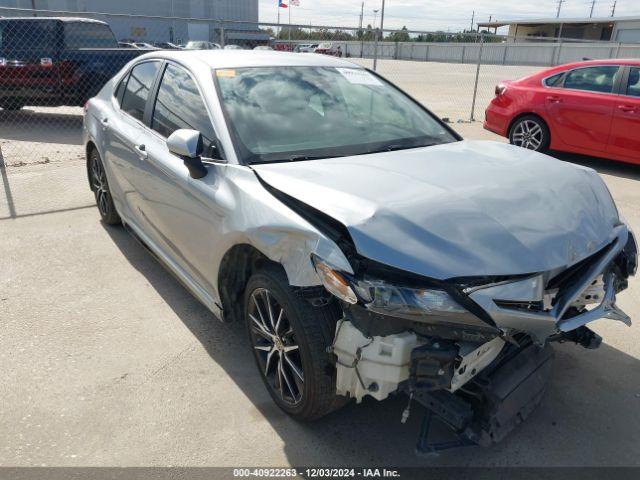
[303, 113]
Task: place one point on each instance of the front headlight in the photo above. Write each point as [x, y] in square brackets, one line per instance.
[388, 299]
[417, 304]
[333, 280]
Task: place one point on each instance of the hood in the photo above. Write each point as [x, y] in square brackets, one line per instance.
[461, 209]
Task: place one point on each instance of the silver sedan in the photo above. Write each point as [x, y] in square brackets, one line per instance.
[367, 247]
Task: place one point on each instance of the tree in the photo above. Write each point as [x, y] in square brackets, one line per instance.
[401, 36]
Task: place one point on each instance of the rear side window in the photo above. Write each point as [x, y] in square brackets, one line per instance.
[633, 86]
[179, 105]
[138, 87]
[88, 35]
[27, 35]
[555, 80]
[593, 79]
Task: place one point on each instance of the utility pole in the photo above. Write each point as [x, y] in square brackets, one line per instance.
[361, 16]
[560, 2]
[593, 4]
[613, 8]
[375, 18]
[473, 17]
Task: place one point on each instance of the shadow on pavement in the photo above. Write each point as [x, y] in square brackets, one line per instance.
[41, 127]
[588, 417]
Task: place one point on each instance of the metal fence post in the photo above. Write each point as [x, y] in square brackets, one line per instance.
[475, 87]
[375, 52]
[618, 50]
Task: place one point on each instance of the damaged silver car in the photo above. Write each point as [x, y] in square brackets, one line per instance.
[369, 250]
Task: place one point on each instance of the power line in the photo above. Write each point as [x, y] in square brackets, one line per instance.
[560, 2]
[593, 4]
[613, 8]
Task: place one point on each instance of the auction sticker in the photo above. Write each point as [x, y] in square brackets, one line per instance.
[358, 76]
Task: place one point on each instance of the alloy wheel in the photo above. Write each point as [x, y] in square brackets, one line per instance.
[100, 187]
[275, 345]
[528, 134]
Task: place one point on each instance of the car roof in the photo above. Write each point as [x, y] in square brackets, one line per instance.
[249, 58]
[587, 63]
[57, 19]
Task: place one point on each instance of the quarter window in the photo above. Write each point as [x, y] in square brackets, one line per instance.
[555, 80]
[633, 87]
[138, 87]
[179, 105]
[593, 79]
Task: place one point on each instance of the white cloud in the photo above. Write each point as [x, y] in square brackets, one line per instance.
[436, 14]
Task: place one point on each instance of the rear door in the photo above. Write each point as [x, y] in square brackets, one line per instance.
[29, 52]
[581, 111]
[123, 129]
[625, 132]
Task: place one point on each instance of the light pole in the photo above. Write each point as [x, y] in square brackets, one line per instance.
[375, 54]
[375, 18]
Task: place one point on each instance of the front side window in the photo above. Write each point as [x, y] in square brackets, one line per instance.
[593, 79]
[299, 113]
[633, 86]
[138, 87]
[179, 105]
[88, 35]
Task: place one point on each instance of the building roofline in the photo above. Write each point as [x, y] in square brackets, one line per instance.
[556, 21]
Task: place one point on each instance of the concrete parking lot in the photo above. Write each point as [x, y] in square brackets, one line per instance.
[106, 360]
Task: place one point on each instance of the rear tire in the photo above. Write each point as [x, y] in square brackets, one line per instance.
[100, 188]
[296, 367]
[530, 132]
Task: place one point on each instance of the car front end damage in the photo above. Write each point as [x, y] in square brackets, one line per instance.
[473, 351]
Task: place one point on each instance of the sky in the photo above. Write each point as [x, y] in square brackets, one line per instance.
[430, 15]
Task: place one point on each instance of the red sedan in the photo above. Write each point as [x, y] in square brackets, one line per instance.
[591, 108]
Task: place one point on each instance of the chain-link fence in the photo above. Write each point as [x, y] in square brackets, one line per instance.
[51, 65]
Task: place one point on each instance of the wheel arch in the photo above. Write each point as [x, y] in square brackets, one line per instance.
[528, 114]
[236, 267]
[89, 148]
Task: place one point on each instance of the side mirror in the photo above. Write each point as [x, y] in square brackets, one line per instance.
[187, 144]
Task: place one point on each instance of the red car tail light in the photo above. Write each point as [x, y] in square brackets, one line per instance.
[500, 89]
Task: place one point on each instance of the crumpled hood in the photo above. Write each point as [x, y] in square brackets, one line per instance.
[462, 209]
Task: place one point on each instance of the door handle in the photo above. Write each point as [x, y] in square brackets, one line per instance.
[142, 151]
[554, 99]
[627, 108]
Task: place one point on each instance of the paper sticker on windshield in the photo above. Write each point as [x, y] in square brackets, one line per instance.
[358, 76]
[226, 73]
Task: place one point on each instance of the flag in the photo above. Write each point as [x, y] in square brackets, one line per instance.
[281, 4]
[294, 3]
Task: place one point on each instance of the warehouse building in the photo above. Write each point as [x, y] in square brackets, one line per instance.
[615, 29]
[148, 20]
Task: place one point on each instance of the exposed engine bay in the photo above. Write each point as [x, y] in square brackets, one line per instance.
[480, 371]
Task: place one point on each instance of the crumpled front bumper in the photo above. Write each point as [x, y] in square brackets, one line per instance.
[511, 305]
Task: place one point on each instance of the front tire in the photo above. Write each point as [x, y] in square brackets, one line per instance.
[100, 188]
[290, 338]
[530, 132]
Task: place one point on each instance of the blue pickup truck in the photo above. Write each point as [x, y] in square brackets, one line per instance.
[56, 61]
